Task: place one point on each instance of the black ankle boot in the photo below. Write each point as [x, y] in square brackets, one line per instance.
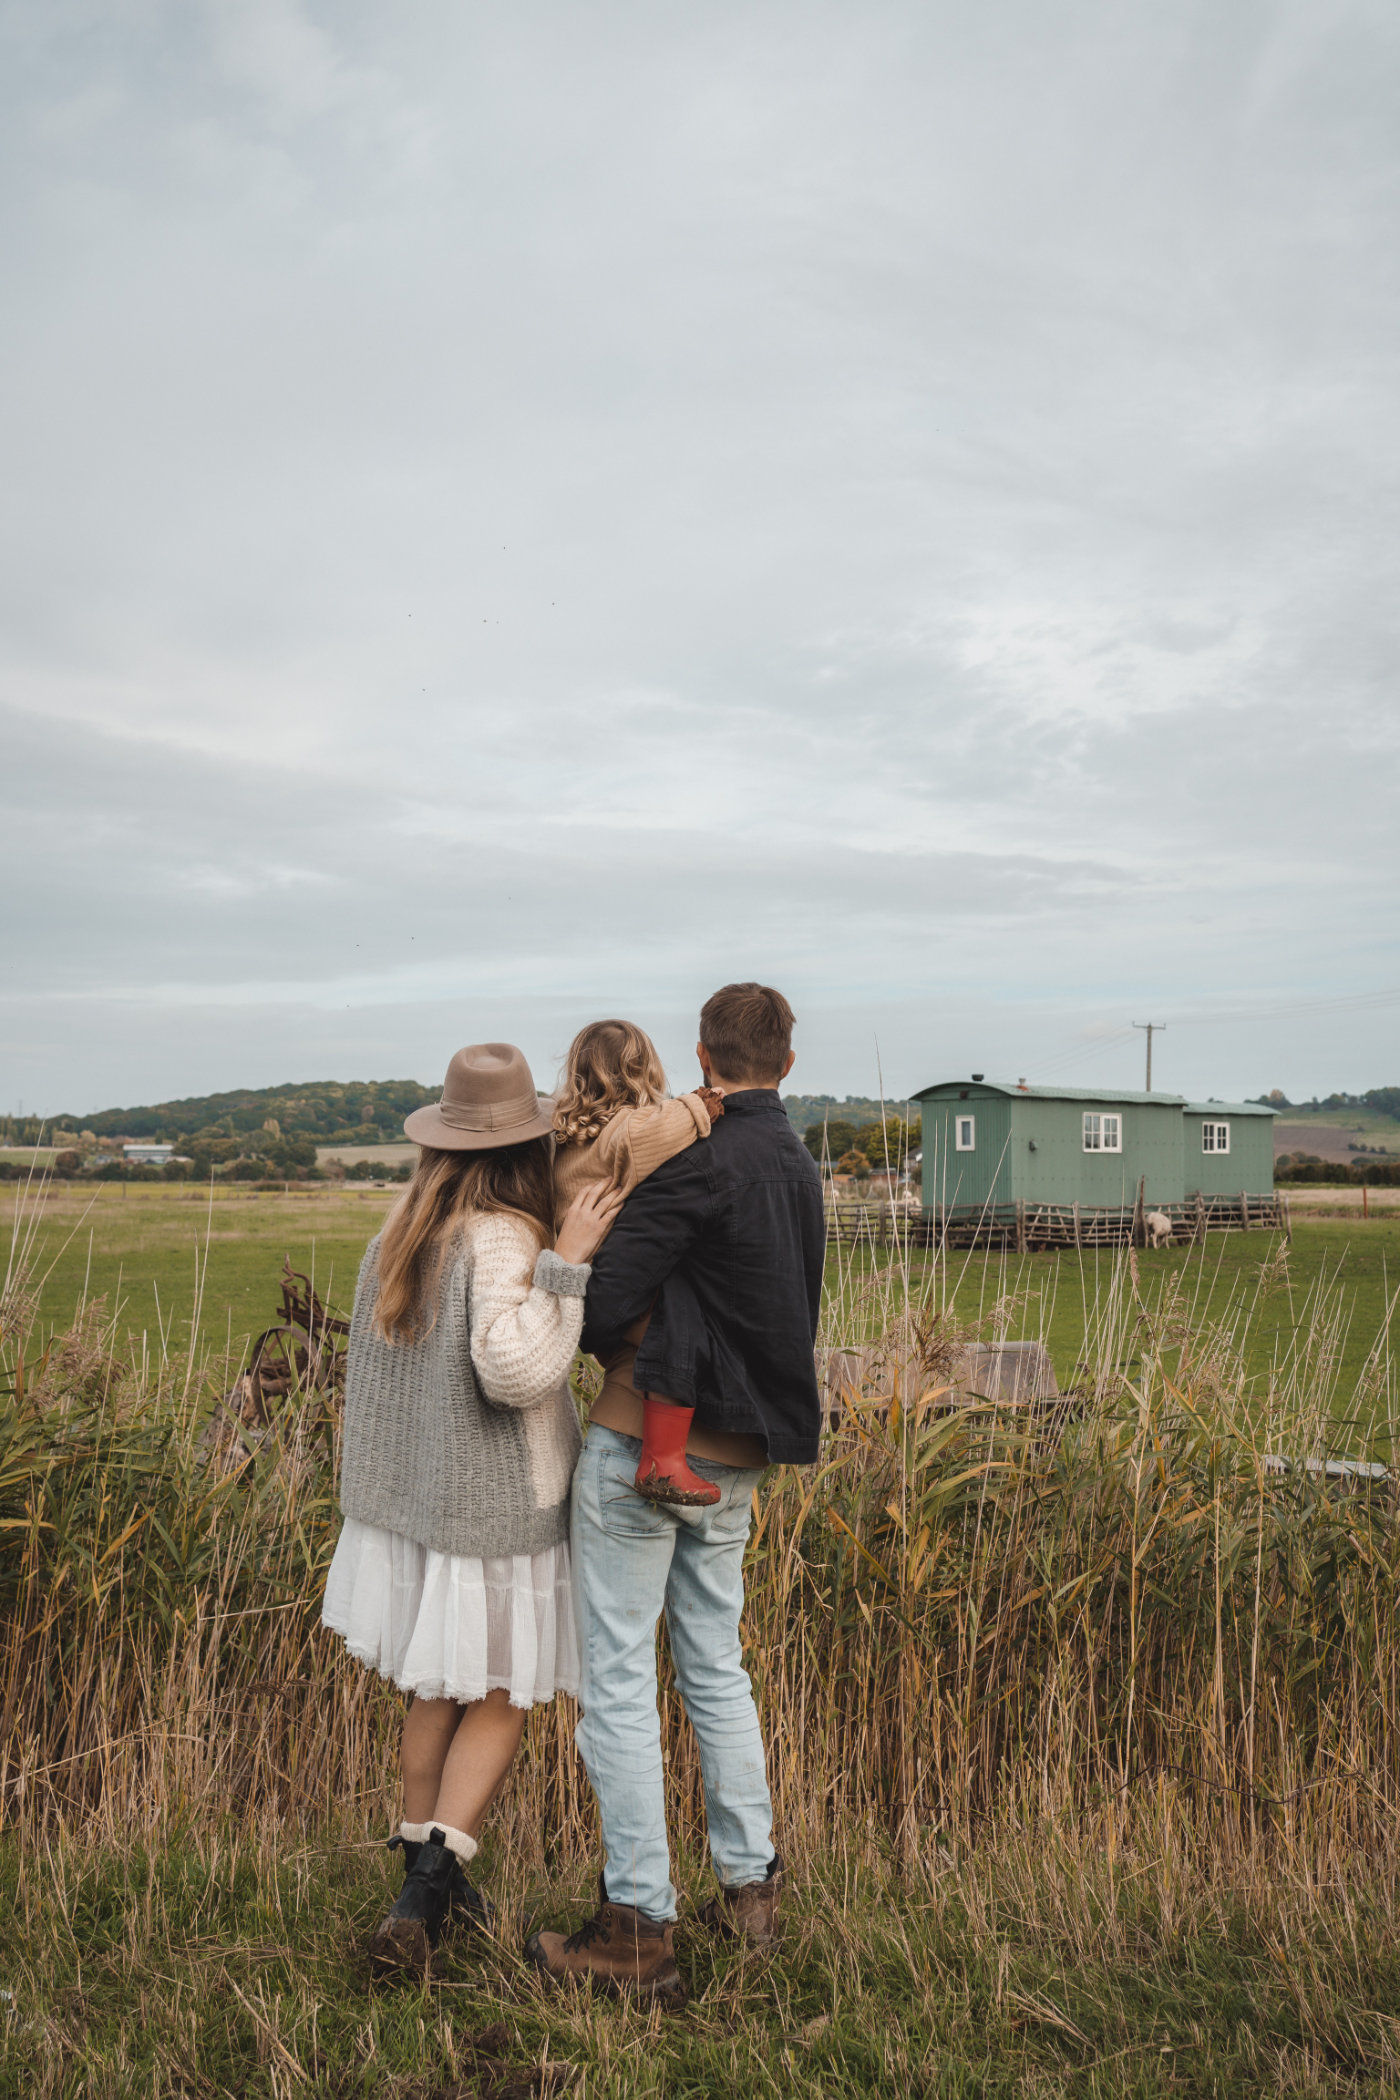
[407, 1937]
[467, 1905]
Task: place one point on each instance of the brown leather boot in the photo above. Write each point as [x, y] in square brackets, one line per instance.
[619, 1950]
[748, 1913]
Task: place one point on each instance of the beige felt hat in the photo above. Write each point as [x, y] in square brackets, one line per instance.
[488, 1099]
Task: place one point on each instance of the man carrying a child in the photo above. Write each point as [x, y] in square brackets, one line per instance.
[719, 1252]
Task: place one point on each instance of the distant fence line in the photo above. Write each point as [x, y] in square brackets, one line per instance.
[1030, 1227]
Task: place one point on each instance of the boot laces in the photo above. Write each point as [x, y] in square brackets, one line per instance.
[594, 1928]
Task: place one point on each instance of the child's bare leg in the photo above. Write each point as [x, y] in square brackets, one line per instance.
[663, 1471]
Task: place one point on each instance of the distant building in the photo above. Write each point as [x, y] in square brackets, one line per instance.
[1056, 1165]
[147, 1155]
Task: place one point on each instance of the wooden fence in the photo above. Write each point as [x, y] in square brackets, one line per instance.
[1030, 1227]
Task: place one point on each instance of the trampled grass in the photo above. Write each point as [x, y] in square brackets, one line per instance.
[1083, 1736]
[1058, 1959]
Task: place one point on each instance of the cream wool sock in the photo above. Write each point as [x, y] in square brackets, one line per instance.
[455, 1840]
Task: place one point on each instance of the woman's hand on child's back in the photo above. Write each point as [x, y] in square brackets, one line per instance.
[587, 1221]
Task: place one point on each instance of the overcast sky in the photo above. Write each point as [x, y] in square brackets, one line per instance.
[522, 512]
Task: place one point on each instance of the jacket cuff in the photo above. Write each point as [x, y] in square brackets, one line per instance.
[566, 1279]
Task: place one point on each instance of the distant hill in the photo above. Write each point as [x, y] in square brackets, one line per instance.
[1380, 1101]
[369, 1111]
[364, 1111]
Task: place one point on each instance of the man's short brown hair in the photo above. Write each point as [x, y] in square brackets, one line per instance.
[747, 1031]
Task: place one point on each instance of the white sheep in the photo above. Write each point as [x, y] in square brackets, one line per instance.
[1159, 1229]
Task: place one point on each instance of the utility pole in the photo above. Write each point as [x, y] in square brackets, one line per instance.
[1159, 1027]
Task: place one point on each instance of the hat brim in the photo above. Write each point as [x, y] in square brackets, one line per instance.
[428, 1126]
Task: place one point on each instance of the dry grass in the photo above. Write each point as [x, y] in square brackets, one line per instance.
[1083, 1744]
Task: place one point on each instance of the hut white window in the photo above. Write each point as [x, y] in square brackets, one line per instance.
[1102, 1133]
[966, 1136]
[1215, 1137]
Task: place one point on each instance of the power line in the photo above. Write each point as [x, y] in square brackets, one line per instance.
[1086, 1050]
[1348, 1002]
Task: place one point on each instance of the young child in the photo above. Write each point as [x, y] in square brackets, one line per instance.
[613, 1123]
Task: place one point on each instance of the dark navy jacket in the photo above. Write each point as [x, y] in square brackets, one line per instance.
[729, 1239]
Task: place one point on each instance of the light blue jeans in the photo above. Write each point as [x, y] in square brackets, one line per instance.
[631, 1557]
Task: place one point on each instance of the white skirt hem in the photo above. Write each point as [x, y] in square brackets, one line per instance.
[451, 1626]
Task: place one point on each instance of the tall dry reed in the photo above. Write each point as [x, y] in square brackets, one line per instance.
[964, 1611]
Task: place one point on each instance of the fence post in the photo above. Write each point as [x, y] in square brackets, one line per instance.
[1244, 1211]
[1020, 1228]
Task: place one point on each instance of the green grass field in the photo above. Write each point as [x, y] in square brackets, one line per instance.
[150, 1249]
[144, 1247]
[1238, 1282]
[221, 1965]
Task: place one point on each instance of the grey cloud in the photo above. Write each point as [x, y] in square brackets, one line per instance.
[898, 498]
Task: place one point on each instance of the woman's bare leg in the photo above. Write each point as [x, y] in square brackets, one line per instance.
[428, 1729]
[455, 1758]
[482, 1752]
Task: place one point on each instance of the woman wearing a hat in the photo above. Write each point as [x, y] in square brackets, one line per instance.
[451, 1575]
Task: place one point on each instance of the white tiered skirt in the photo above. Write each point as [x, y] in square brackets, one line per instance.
[447, 1626]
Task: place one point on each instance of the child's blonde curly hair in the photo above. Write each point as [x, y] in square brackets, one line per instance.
[611, 1065]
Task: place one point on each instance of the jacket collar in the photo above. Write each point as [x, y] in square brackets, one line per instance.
[754, 1100]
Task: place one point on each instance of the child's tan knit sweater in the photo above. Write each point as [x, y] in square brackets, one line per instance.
[632, 1144]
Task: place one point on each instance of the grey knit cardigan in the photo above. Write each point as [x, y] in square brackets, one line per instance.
[466, 1440]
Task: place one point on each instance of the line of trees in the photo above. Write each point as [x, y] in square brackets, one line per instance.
[862, 1149]
[1333, 1174]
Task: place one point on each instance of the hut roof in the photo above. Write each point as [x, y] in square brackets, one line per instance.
[1056, 1093]
[1229, 1108]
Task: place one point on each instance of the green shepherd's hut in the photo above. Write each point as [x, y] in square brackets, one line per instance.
[1055, 1166]
[1228, 1146]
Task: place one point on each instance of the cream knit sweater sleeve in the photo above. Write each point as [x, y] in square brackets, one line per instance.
[526, 1312]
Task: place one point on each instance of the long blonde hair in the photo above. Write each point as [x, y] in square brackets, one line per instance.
[446, 1189]
[611, 1065]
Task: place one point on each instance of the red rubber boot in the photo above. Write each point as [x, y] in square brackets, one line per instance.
[662, 1473]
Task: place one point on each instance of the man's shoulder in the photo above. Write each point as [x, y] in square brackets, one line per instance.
[758, 1146]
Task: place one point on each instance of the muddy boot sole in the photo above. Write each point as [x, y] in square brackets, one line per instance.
[675, 1497]
[401, 1947]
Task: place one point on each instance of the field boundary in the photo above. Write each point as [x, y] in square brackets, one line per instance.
[1031, 1227]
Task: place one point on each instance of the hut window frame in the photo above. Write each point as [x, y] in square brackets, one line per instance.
[1102, 1133]
[1215, 1137]
[965, 1133]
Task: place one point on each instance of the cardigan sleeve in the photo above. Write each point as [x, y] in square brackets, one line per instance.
[526, 1313]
